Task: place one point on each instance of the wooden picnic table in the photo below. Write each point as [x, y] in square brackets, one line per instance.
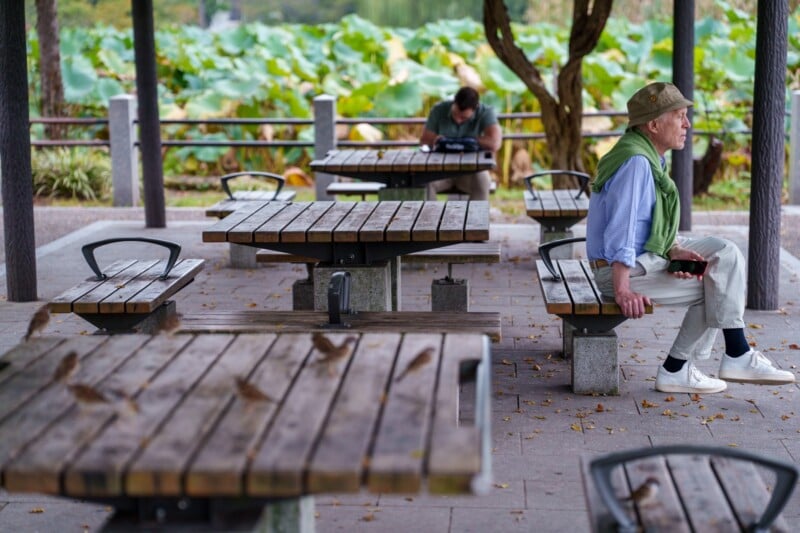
[195, 425]
[402, 168]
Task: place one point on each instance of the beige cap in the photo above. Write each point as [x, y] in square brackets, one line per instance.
[652, 101]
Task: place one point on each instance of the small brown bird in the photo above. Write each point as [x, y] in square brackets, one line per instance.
[250, 392]
[122, 398]
[38, 321]
[86, 394]
[421, 359]
[68, 365]
[330, 352]
[644, 492]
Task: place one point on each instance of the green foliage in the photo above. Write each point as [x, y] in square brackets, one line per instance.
[75, 173]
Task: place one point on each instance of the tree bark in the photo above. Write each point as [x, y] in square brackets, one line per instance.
[562, 112]
[52, 86]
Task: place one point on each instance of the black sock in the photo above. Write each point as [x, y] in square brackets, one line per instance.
[735, 342]
[672, 364]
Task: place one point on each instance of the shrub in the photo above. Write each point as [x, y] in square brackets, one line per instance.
[75, 173]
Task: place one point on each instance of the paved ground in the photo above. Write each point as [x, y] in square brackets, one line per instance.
[540, 429]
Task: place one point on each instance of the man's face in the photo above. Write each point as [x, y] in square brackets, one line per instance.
[460, 115]
[670, 130]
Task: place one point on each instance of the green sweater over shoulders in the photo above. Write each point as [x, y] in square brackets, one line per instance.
[667, 211]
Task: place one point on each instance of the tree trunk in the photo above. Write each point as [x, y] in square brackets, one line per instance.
[561, 113]
[52, 90]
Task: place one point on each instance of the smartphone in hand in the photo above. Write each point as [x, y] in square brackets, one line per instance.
[696, 268]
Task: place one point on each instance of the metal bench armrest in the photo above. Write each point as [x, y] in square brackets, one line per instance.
[544, 253]
[279, 181]
[583, 178]
[88, 253]
[786, 477]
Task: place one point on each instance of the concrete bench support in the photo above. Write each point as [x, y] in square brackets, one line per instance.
[449, 294]
[371, 287]
[595, 369]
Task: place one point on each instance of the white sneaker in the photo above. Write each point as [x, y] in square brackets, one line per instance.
[688, 379]
[753, 367]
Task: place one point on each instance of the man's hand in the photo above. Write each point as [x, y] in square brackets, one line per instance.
[631, 303]
[678, 253]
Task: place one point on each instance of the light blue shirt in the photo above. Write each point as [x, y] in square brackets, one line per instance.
[620, 215]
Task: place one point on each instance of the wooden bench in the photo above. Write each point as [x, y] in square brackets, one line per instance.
[131, 294]
[340, 316]
[243, 256]
[557, 210]
[447, 294]
[588, 319]
[700, 488]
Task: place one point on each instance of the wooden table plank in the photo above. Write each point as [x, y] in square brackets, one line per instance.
[399, 229]
[368, 160]
[219, 467]
[435, 162]
[401, 442]
[297, 229]
[476, 227]
[455, 453]
[334, 160]
[385, 160]
[270, 231]
[23, 355]
[374, 228]
[469, 161]
[277, 468]
[353, 161]
[453, 221]
[218, 232]
[160, 468]
[90, 302]
[348, 228]
[426, 227]
[322, 230]
[41, 455]
[341, 455]
[101, 468]
[402, 162]
[242, 232]
[418, 162]
[452, 162]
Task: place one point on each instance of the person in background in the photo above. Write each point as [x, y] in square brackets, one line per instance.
[463, 116]
[631, 237]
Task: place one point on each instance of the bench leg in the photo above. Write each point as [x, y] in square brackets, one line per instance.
[559, 252]
[108, 323]
[371, 286]
[595, 368]
[292, 514]
[303, 295]
[448, 294]
[567, 334]
[242, 256]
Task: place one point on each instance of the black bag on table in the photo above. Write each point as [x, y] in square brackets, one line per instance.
[457, 144]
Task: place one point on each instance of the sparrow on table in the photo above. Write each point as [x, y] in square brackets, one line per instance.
[644, 492]
[68, 365]
[330, 352]
[421, 359]
[86, 394]
[250, 392]
[38, 321]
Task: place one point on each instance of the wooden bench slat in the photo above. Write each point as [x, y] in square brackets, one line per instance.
[90, 302]
[220, 465]
[159, 291]
[63, 302]
[361, 188]
[338, 462]
[664, 513]
[584, 299]
[556, 296]
[607, 305]
[299, 321]
[400, 444]
[158, 470]
[115, 302]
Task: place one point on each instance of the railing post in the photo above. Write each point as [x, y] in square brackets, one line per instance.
[794, 151]
[324, 140]
[124, 156]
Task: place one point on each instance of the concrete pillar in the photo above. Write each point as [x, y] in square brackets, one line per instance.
[124, 155]
[324, 140]
[595, 368]
[794, 151]
[370, 287]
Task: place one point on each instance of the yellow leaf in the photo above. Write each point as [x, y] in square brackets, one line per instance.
[576, 427]
[647, 403]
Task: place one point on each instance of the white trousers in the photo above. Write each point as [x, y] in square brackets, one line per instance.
[475, 184]
[716, 302]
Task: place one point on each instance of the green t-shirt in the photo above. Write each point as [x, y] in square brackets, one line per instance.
[441, 123]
